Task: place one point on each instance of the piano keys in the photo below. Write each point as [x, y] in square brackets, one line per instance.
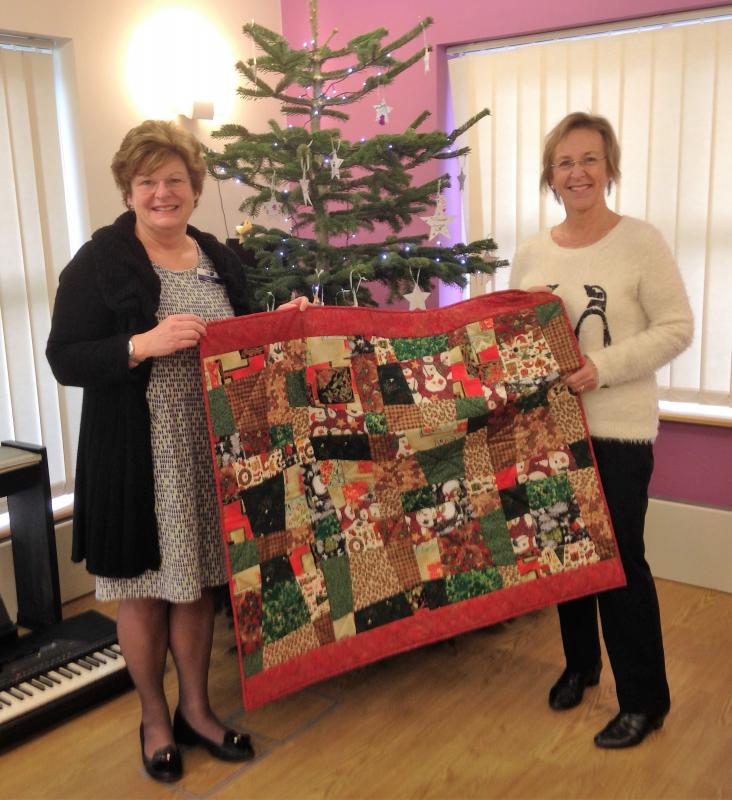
[47, 675]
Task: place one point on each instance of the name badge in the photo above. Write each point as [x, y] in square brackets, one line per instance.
[207, 274]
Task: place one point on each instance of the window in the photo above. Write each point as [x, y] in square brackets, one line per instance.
[34, 247]
[664, 86]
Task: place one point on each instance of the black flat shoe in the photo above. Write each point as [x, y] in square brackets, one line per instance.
[568, 690]
[166, 765]
[235, 747]
[628, 730]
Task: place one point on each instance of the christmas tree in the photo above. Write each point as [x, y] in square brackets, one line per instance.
[327, 189]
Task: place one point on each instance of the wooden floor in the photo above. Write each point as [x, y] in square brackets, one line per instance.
[461, 719]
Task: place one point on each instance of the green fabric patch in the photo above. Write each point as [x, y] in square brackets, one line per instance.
[376, 422]
[466, 585]
[327, 526]
[467, 407]
[414, 499]
[443, 463]
[222, 420]
[297, 393]
[419, 346]
[545, 493]
[253, 662]
[496, 536]
[281, 435]
[547, 311]
[338, 583]
[243, 555]
[531, 400]
[283, 610]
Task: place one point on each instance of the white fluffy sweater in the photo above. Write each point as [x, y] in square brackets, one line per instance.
[627, 295]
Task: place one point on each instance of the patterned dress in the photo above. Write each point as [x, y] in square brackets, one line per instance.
[191, 548]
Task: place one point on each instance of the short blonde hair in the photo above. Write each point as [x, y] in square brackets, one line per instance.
[148, 146]
[571, 122]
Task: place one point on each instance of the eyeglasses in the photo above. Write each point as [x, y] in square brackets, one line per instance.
[566, 164]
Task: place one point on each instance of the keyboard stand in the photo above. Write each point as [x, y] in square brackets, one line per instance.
[24, 481]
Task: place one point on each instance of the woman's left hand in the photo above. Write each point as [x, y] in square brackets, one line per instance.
[586, 379]
[297, 302]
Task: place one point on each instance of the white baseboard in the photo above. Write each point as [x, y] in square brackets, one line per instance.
[690, 544]
[73, 578]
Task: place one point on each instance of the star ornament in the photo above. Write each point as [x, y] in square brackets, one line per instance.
[335, 166]
[438, 223]
[382, 112]
[417, 298]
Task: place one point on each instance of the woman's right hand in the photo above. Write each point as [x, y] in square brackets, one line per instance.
[176, 332]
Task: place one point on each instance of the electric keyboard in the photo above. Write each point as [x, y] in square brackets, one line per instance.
[47, 675]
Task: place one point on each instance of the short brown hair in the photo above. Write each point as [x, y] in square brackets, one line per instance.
[148, 146]
[578, 119]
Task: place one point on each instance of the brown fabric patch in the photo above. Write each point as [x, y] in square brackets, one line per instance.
[437, 413]
[383, 446]
[409, 474]
[401, 557]
[477, 458]
[372, 578]
[560, 342]
[324, 629]
[271, 545]
[248, 400]
[294, 644]
[502, 447]
[586, 489]
[402, 418]
[566, 413]
[279, 411]
[366, 379]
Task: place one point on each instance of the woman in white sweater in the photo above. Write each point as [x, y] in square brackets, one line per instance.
[625, 297]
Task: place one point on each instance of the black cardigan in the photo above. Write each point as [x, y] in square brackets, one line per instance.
[108, 292]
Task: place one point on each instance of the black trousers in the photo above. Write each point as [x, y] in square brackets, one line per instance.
[631, 623]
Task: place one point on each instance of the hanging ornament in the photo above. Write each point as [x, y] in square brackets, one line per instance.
[335, 162]
[354, 292]
[417, 298]
[243, 230]
[426, 56]
[305, 181]
[318, 297]
[272, 206]
[382, 109]
[462, 177]
[439, 220]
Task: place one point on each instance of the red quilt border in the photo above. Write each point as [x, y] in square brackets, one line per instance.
[407, 633]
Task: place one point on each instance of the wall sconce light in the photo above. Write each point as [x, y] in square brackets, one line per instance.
[202, 109]
[174, 57]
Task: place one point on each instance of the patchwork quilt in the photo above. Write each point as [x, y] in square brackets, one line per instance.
[388, 479]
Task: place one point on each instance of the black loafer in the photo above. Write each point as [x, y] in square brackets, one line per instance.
[628, 730]
[235, 747]
[568, 690]
[166, 765]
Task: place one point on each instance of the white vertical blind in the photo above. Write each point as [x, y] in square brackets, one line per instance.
[666, 89]
[34, 246]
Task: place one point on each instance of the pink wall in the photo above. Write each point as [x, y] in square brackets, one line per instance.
[693, 463]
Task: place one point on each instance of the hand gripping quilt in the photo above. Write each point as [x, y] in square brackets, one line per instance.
[387, 479]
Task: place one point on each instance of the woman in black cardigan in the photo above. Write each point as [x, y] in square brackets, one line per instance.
[130, 310]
